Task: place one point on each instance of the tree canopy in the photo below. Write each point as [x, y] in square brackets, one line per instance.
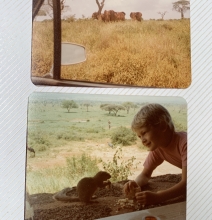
[69, 104]
[128, 105]
[112, 108]
[181, 6]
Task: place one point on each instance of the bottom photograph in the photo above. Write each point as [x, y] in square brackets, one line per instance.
[104, 156]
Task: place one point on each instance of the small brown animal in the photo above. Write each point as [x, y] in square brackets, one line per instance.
[31, 150]
[86, 187]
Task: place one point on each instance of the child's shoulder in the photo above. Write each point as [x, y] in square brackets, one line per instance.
[182, 136]
[182, 133]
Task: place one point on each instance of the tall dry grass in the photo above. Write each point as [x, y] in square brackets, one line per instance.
[149, 53]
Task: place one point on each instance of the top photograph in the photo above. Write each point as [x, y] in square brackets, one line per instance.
[111, 43]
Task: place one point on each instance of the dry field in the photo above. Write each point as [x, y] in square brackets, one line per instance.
[148, 53]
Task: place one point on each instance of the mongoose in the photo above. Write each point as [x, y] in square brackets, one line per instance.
[85, 188]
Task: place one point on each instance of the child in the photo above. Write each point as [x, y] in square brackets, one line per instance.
[154, 126]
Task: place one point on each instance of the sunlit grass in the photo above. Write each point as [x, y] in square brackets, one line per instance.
[148, 53]
[54, 179]
[55, 135]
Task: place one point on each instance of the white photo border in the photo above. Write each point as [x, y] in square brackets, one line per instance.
[16, 86]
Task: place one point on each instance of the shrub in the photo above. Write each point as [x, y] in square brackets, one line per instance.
[82, 166]
[119, 169]
[40, 138]
[41, 147]
[124, 136]
[54, 179]
[70, 136]
[92, 130]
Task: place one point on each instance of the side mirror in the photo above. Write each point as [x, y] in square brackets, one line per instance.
[72, 54]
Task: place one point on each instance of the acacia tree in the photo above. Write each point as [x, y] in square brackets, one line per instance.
[128, 105]
[69, 104]
[181, 6]
[134, 106]
[113, 108]
[103, 105]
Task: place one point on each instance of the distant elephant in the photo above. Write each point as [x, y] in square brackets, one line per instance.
[120, 16]
[98, 16]
[136, 16]
[101, 17]
[109, 16]
[95, 15]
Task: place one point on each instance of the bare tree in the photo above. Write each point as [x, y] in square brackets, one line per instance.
[181, 6]
[100, 6]
[162, 14]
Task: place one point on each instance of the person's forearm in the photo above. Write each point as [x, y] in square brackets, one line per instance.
[175, 191]
[141, 180]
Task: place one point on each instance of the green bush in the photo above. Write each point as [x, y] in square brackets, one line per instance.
[119, 169]
[124, 136]
[70, 136]
[54, 179]
[82, 166]
[41, 147]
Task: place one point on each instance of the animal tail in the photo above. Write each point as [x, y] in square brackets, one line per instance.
[62, 196]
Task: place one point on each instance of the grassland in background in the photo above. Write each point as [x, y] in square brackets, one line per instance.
[148, 53]
[52, 130]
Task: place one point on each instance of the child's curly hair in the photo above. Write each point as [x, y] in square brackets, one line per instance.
[150, 115]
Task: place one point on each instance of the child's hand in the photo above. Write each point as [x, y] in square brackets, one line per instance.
[147, 198]
[129, 187]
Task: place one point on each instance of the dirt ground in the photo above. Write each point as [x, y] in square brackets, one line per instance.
[107, 202]
[57, 156]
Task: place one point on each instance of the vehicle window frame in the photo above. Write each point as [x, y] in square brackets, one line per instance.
[56, 79]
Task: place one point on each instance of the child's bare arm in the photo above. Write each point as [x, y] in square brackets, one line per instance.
[177, 190]
[147, 197]
[141, 180]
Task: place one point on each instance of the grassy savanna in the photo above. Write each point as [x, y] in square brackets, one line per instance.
[148, 53]
[71, 145]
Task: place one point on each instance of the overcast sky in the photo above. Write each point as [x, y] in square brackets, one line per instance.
[148, 8]
[107, 98]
